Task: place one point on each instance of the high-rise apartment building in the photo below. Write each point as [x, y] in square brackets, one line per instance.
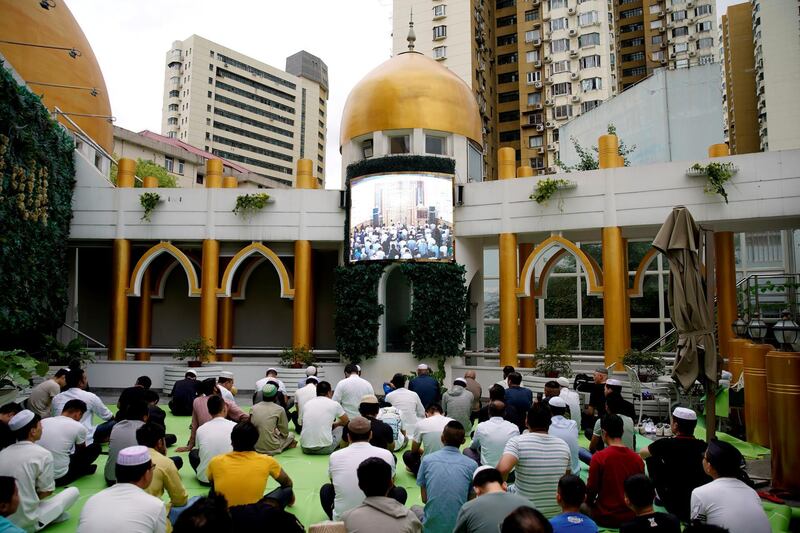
[653, 34]
[246, 111]
[739, 82]
[533, 65]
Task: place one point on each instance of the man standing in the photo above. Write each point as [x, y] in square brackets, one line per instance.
[565, 429]
[572, 398]
[508, 369]
[444, 479]
[301, 397]
[351, 389]
[76, 383]
[273, 426]
[126, 506]
[597, 399]
[184, 391]
[457, 403]
[491, 437]
[323, 420]
[41, 398]
[676, 464]
[614, 388]
[425, 385]
[343, 493]
[32, 466]
[379, 511]
[225, 385]
[518, 397]
[540, 461]
[213, 438]
[407, 402]
[607, 474]
[491, 505]
[475, 388]
[65, 438]
[427, 437]
[124, 436]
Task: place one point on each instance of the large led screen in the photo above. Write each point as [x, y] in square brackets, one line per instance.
[395, 217]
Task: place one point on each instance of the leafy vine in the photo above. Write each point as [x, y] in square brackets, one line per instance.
[149, 201]
[248, 204]
[717, 175]
[546, 188]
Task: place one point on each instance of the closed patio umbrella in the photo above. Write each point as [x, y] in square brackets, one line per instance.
[680, 240]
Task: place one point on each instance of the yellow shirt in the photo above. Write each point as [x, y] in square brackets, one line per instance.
[242, 476]
[166, 477]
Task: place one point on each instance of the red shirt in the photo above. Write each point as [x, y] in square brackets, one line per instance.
[606, 487]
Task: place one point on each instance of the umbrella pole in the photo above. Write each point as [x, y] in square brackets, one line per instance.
[711, 410]
[711, 384]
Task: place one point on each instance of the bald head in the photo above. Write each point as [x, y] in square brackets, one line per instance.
[497, 408]
[470, 374]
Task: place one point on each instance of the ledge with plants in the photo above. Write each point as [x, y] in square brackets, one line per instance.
[553, 361]
[149, 201]
[716, 174]
[297, 357]
[196, 350]
[547, 187]
[248, 205]
[648, 365]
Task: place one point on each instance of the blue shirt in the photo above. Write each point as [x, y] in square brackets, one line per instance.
[446, 476]
[6, 526]
[520, 399]
[427, 388]
[573, 523]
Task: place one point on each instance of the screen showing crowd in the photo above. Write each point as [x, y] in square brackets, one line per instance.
[401, 217]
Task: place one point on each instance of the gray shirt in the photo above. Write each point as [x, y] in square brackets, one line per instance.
[122, 436]
[457, 404]
[41, 397]
[379, 513]
[485, 513]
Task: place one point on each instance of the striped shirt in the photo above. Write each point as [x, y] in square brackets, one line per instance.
[541, 461]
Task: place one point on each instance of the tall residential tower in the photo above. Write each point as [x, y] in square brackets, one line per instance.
[246, 111]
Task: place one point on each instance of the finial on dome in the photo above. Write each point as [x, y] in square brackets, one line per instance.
[411, 36]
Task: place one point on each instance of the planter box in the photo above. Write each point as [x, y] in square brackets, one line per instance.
[175, 373]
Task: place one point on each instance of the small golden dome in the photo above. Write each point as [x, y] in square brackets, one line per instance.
[408, 91]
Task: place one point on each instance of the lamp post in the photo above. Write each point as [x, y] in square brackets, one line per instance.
[739, 327]
[786, 331]
[757, 328]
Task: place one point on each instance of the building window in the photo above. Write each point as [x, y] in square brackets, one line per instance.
[171, 134]
[506, 21]
[656, 39]
[512, 96]
[508, 77]
[587, 19]
[535, 141]
[562, 111]
[440, 52]
[174, 94]
[474, 163]
[172, 107]
[678, 16]
[705, 42]
[682, 63]
[172, 121]
[400, 144]
[439, 11]
[534, 98]
[680, 47]
[589, 61]
[707, 25]
[630, 13]
[591, 84]
[635, 71]
[590, 39]
[655, 24]
[705, 60]
[591, 104]
[627, 28]
[532, 14]
[199, 178]
[703, 10]
[559, 66]
[537, 162]
[655, 9]
[535, 118]
[439, 32]
[508, 116]
[507, 59]
[657, 56]
[562, 88]
[559, 24]
[502, 4]
[181, 165]
[532, 35]
[628, 43]
[559, 45]
[505, 40]
[531, 56]
[636, 56]
[556, 4]
[367, 148]
[169, 164]
[509, 136]
[680, 32]
[533, 77]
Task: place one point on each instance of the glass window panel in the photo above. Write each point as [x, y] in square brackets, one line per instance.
[491, 298]
[491, 263]
[561, 301]
[491, 336]
[644, 334]
[592, 336]
[636, 252]
[764, 249]
[591, 306]
[567, 335]
[647, 305]
[566, 264]
[593, 250]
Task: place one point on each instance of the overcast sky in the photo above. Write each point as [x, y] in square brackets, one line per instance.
[131, 38]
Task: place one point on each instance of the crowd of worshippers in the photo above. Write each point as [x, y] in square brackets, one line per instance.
[401, 241]
[520, 472]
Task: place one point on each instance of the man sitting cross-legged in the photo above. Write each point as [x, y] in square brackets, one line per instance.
[445, 478]
[272, 423]
[427, 437]
[241, 475]
[123, 435]
[213, 438]
[32, 466]
[65, 437]
[323, 420]
[342, 493]
[492, 504]
[491, 436]
[379, 511]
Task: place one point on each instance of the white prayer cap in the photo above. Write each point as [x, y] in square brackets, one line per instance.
[358, 367]
[311, 371]
[460, 381]
[315, 378]
[422, 366]
[133, 456]
[557, 401]
[564, 382]
[270, 369]
[225, 374]
[614, 383]
[192, 372]
[684, 413]
[20, 420]
[481, 469]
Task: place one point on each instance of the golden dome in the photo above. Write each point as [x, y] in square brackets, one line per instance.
[408, 91]
[27, 22]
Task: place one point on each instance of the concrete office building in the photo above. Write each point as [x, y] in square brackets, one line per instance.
[671, 116]
[246, 111]
[739, 83]
[651, 34]
[532, 65]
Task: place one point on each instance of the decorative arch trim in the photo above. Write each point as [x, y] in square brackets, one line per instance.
[135, 286]
[540, 289]
[636, 290]
[244, 278]
[594, 276]
[287, 291]
[160, 285]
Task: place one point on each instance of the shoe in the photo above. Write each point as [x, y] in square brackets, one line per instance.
[667, 430]
[660, 430]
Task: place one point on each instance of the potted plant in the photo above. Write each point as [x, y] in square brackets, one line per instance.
[297, 357]
[196, 350]
[648, 365]
[16, 370]
[553, 361]
[59, 354]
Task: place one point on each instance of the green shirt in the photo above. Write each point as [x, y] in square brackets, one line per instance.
[628, 431]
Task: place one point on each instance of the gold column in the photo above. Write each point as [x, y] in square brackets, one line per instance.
[509, 328]
[756, 413]
[527, 305]
[718, 150]
[210, 268]
[144, 332]
[736, 357]
[627, 299]
[150, 182]
[783, 397]
[225, 330]
[301, 331]
[230, 182]
[120, 272]
[726, 289]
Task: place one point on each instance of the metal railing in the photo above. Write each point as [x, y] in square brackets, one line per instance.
[321, 353]
[85, 336]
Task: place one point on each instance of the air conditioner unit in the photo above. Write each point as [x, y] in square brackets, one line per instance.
[551, 170]
[537, 2]
[546, 17]
[549, 124]
[548, 59]
[571, 11]
[689, 4]
[668, 9]
[539, 128]
[671, 25]
[573, 53]
[574, 76]
[663, 45]
[536, 42]
[576, 98]
[537, 84]
[540, 150]
[537, 64]
[662, 30]
[546, 39]
[537, 107]
[672, 56]
[663, 61]
[548, 81]
[692, 54]
[573, 33]
[548, 102]
[552, 147]
[691, 37]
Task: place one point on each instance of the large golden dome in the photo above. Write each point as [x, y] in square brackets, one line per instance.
[408, 91]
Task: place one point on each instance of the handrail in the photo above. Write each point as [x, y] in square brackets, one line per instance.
[234, 351]
[85, 336]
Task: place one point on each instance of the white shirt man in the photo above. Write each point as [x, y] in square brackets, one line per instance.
[32, 467]
[213, 438]
[350, 390]
[60, 434]
[303, 395]
[344, 464]
[94, 404]
[566, 430]
[272, 375]
[491, 438]
[319, 414]
[225, 381]
[409, 405]
[572, 398]
[729, 503]
[428, 432]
